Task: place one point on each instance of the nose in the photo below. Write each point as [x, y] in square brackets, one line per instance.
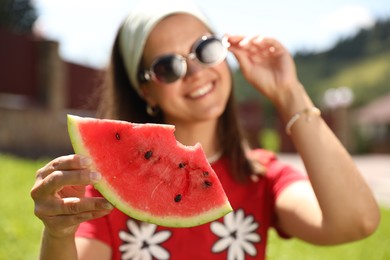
[193, 67]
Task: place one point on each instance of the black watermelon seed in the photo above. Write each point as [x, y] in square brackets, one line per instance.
[148, 154]
[118, 137]
[182, 165]
[208, 183]
[178, 198]
[205, 174]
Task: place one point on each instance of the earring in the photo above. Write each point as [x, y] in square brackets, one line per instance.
[152, 111]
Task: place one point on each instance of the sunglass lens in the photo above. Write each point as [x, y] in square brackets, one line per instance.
[210, 51]
[169, 68]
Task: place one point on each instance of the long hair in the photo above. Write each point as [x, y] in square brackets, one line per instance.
[120, 101]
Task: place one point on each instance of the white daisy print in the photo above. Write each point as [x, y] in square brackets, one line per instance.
[142, 242]
[237, 234]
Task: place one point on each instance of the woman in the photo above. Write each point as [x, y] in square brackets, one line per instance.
[168, 67]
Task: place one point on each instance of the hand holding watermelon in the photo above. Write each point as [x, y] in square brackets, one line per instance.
[58, 193]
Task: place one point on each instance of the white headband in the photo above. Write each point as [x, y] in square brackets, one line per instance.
[139, 24]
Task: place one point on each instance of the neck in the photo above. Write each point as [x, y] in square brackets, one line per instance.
[204, 133]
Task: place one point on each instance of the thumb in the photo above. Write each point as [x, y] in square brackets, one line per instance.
[242, 57]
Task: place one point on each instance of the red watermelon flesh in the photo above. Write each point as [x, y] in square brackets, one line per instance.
[149, 175]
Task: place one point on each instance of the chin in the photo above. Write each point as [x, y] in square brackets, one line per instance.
[211, 113]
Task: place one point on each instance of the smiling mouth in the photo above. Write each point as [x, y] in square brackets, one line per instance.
[200, 92]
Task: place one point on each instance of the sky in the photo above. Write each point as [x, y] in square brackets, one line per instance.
[86, 28]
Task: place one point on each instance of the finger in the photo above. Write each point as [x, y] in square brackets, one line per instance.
[253, 47]
[259, 49]
[73, 206]
[85, 216]
[242, 57]
[246, 42]
[61, 222]
[269, 46]
[258, 44]
[240, 42]
[234, 40]
[68, 162]
[59, 179]
[243, 50]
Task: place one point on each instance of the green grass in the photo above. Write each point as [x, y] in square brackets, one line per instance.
[20, 230]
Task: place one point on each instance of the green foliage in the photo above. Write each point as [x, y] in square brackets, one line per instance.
[368, 77]
[374, 247]
[18, 15]
[360, 62]
[269, 139]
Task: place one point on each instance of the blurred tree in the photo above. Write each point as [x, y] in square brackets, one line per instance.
[17, 15]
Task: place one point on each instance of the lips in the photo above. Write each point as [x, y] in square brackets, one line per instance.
[201, 91]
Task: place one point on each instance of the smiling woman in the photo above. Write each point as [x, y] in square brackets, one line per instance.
[143, 87]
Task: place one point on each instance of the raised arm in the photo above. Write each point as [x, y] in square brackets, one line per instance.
[338, 206]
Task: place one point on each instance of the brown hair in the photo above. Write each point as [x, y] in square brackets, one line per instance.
[120, 101]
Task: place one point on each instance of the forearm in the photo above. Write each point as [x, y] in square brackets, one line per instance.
[346, 202]
[58, 248]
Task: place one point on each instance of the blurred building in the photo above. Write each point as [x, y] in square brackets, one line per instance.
[37, 90]
[374, 121]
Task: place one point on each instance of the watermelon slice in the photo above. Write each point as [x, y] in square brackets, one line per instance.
[149, 175]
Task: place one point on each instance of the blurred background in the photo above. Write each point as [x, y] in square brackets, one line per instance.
[53, 54]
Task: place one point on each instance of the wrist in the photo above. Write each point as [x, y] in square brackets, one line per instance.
[292, 100]
[47, 233]
[57, 247]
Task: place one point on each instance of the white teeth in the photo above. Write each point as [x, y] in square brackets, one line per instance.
[201, 91]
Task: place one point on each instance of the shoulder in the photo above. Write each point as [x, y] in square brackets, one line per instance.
[278, 173]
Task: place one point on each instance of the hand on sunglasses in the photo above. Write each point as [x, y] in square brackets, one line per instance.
[207, 51]
[265, 63]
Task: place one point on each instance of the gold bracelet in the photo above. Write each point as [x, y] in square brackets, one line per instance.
[307, 111]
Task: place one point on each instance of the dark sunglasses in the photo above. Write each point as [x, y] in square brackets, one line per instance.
[207, 51]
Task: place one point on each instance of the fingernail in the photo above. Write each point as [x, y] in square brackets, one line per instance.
[259, 39]
[107, 205]
[85, 161]
[95, 176]
[244, 41]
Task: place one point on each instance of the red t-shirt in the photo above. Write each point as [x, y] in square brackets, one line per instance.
[241, 234]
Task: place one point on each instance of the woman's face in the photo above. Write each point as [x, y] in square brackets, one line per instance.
[203, 92]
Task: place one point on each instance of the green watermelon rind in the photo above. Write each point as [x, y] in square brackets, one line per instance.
[107, 191]
[172, 221]
[75, 137]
